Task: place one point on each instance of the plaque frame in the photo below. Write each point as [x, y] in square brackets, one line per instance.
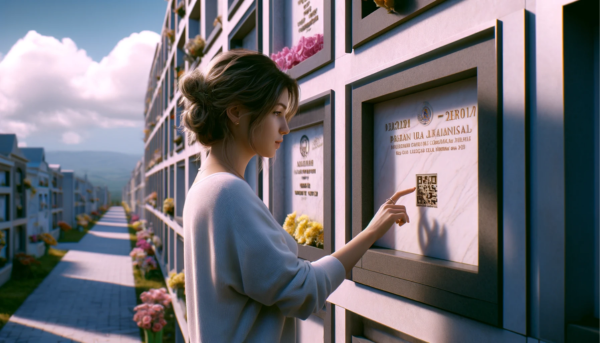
[318, 60]
[250, 19]
[312, 111]
[471, 291]
[380, 21]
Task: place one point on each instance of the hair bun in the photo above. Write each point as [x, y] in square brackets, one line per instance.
[195, 88]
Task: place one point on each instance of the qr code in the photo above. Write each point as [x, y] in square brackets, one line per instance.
[427, 190]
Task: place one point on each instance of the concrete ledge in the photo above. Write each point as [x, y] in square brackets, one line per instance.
[5, 273]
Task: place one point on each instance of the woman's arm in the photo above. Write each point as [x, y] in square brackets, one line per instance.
[388, 213]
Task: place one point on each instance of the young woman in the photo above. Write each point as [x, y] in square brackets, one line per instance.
[244, 280]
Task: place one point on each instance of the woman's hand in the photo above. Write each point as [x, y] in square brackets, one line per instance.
[388, 214]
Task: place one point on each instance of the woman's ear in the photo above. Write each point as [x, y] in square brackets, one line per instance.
[233, 113]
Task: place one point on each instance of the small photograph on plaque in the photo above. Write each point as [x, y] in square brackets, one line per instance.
[429, 140]
[303, 151]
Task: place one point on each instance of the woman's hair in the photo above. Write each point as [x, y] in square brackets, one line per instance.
[236, 77]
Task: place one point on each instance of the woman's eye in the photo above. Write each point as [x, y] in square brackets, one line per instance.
[277, 113]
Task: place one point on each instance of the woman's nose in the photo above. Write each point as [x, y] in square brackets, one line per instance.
[285, 129]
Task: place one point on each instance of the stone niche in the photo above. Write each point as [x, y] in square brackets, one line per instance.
[293, 19]
[301, 175]
[301, 180]
[247, 33]
[370, 21]
[433, 124]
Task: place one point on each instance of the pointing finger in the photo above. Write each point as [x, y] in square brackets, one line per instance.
[399, 194]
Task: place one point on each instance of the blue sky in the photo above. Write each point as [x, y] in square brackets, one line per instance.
[78, 81]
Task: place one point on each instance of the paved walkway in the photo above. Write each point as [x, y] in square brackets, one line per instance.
[88, 297]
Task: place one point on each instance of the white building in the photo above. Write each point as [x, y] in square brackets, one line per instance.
[13, 203]
[38, 207]
[56, 198]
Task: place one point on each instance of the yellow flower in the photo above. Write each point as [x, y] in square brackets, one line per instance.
[312, 232]
[176, 280]
[290, 223]
[300, 228]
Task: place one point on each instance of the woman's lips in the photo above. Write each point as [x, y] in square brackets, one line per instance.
[278, 143]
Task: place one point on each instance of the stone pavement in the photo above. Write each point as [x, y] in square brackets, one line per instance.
[88, 297]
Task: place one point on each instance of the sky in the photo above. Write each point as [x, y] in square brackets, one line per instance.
[73, 74]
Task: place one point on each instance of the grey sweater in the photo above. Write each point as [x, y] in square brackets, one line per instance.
[244, 281]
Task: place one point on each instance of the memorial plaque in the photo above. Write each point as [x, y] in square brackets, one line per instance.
[428, 140]
[432, 125]
[293, 19]
[305, 18]
[303, 152]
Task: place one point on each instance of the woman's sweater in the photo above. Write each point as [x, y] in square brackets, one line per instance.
[244, 281]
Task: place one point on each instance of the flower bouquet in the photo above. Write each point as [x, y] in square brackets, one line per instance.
[169, 206]
[144, 245]
[304, 230]
[64, 227]
[151, 199]
[139, 225]
[134, 218]
[33, 238]
[195, 47]
[148, 266]
[387, 4]
[48, 239]
[125, 207]
[138, 255]
[178, 140]
[307, 46]
[170, 35]
[27, 185]
[180, 9]
[143, 234]
[177, 283]
[157, 242]
[151, 318]
[218, 20]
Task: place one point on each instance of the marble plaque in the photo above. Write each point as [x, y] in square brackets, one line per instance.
[304, 172]
[302, 18]
[429, 140]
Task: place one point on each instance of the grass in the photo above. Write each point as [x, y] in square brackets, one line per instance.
[74, 235]
[17, 289]
[155, 281]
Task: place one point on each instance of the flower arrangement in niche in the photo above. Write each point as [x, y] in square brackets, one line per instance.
[64, 227]
[177, 283]
[144, 245]
[151, 199]
[169, 206]
[307, 46]
[180, 9]
[148, 265]
[138, 255]
[156, 296]
[304, 230]
[387, 4]
[170, 35]
[195, 47]
[143, 234]
[48, 239]
[218, 20]
[178, 140]
[134, 217]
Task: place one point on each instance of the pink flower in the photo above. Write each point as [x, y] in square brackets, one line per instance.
[146, 326]
[156, 327]
[163, 322]
[147, 319]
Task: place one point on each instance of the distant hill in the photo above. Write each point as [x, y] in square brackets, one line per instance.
[103, 168]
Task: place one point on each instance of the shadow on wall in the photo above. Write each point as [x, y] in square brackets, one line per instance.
[433, 240]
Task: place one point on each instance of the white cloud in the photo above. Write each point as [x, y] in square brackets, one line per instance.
[22, 144]
[71, 138]
[51, 86]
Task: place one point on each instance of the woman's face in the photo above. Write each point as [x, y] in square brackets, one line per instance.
[269, 134]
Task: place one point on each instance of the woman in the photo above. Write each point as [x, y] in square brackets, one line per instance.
[244, 280]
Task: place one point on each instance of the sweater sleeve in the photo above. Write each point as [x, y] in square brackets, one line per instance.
[272, 274]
